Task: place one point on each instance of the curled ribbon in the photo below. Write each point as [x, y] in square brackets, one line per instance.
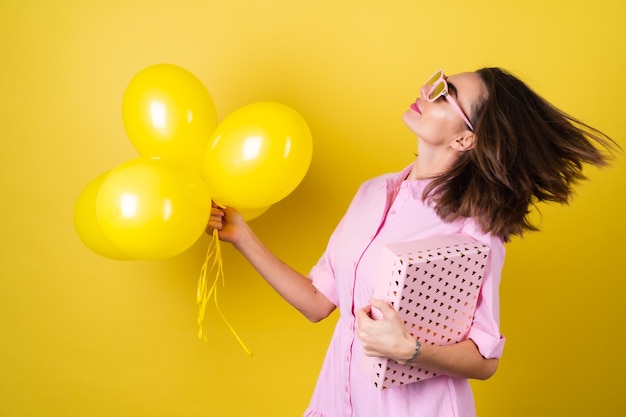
[205, 291]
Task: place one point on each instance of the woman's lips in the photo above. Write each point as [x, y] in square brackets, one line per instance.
[415, 107]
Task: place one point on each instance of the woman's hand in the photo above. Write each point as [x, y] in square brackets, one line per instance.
[294, 287]
[387, 337]
[228, 222]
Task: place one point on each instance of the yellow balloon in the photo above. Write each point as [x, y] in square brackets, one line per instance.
[153, 208]
[87, 226]
[257, 155]
[252, 213]
[167, 112]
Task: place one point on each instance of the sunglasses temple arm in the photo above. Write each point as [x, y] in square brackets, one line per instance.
[460, 111]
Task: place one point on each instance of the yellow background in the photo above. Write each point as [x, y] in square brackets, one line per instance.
[87, 336]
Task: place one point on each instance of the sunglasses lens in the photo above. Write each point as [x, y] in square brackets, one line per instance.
[438, 85]
[432, 80]
[437, 90]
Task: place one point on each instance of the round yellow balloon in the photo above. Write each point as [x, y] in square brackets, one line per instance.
[257, 156]
[87, 226]
[168, 112]
[252, 213]
[153, 208]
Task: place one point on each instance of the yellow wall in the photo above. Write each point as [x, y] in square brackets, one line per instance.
[86, 336]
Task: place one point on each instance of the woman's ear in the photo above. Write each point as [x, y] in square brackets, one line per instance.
[465, 142]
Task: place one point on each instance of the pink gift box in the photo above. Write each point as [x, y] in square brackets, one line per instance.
[434, 285]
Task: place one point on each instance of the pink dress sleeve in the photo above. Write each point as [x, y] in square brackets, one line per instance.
[485, 330]
[323, 278]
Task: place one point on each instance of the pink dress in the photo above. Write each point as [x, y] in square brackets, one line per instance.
[346, 274]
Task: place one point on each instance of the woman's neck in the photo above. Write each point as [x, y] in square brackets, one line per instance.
[422, 170]
[431, 162]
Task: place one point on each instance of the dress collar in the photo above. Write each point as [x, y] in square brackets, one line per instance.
[397, 181]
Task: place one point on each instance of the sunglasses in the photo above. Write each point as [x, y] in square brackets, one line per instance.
[437, 86]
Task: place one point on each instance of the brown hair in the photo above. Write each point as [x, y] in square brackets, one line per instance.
[526, 151]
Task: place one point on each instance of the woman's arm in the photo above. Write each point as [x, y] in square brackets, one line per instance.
[389, 338]
[294, 287]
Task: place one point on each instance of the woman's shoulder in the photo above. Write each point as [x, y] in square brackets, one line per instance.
[472, 229]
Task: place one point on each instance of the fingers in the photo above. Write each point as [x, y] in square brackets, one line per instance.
[368, 331]
[217, 211]
[379, 328]
[216, 219]
[383, 306]
[363, 315]
[211, 226]
[364, 311]
[376, 310]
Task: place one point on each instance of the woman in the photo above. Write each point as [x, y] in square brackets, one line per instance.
[489, 148]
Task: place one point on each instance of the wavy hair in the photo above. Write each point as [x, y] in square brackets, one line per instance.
[526, 151]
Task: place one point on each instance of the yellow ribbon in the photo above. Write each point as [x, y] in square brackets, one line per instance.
[205, 292]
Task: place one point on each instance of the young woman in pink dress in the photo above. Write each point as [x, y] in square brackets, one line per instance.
[489, 148]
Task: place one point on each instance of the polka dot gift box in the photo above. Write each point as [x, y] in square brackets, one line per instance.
[434, 285]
